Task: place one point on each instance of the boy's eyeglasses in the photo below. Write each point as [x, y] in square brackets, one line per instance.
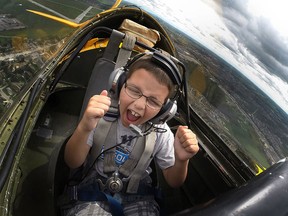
[135, 93]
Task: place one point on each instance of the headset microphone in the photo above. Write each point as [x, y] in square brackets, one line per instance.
[136, 130]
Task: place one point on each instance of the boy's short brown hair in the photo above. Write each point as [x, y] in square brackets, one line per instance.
[145, 62]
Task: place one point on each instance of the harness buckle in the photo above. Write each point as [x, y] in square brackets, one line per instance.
[113, 184]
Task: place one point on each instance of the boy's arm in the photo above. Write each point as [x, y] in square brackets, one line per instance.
[176, 175]
[186, 146]
[76, 149]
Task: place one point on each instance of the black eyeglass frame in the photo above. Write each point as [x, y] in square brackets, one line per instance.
[149, 99]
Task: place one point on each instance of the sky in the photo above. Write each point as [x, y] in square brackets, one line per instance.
[251, 34]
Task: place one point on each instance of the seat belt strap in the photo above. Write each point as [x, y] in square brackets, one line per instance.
[133, 158]
[103, 68]
[125, 51]
[113, 45]
[122, 58]
[113, 111]
[142, 164]
[105, 123]
[102, 138]
[92, 193]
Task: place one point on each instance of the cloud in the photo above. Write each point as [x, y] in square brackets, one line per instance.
[259, 36]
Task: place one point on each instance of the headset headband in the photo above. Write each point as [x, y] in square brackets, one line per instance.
[168, 65]
[163, 61]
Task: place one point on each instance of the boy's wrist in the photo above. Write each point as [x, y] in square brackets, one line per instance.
[83, 129]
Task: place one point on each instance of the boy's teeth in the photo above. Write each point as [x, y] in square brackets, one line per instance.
[134, 113]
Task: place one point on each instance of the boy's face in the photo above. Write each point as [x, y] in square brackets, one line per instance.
[135, 111]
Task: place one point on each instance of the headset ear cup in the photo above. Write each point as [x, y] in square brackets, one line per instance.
[120, 83]
[167, 112]
[116, 80]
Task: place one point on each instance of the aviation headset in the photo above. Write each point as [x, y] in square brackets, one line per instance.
[118, 78]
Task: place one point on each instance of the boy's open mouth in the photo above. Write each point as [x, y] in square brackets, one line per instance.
[132, 115]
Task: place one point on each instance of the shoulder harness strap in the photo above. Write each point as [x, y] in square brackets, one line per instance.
[138, 161]
[101, 137]
[143, 163]
[112, 114]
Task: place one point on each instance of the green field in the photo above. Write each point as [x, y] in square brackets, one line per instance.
[41, 27]
[68, 8]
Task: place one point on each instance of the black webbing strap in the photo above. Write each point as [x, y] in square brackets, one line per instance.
[92, 193]
[113, 46]
[104, 66]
